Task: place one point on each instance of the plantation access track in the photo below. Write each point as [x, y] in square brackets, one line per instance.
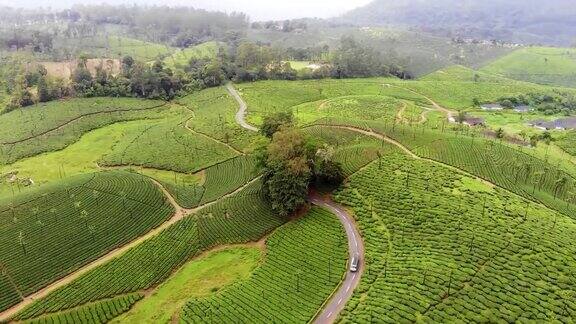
[241, 114]
[449, 113]
[407, 150]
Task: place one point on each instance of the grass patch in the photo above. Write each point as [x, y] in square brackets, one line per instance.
[181, 58]
[299, 65]
[198, 278]
[80, 157]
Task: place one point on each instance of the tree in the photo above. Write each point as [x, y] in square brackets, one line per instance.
[534, 139]
[272, 123]
[461, 117]
[326, 171]
[43, 91]
[81, 77]
[291, 163]
[287, 172]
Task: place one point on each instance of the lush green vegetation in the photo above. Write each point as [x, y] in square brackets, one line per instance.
[53, 126]
[118, 46]
[213, 114]
[304, 264]
[203, 277]
[520, 171]
[240, 218]
[461, 249]
[351, 149]
[568, 143]
[97, 312]
[168, 145]
[216, 181]
[545, 65]
[51, 231]
[78, 158]
[181, 58]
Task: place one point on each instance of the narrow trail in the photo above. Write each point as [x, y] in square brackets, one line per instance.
[409, 152]
[449, 113]
[178, 215]
[330, 311]
[400, 113]
[61, 126]
[187, 126]
[241, 114]
[423, 116]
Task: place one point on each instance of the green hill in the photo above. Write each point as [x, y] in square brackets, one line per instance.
[545, 65]
[180, 58]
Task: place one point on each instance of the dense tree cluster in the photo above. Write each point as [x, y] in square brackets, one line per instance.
[292, 163]
[353, 59]
[136, 80]
[177, 26]
[272, 123]
[548, 103]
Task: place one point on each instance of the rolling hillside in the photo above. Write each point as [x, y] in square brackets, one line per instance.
[545, 65]
[518, 21]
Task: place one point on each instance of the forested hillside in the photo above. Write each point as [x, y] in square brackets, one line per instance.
[519, 21]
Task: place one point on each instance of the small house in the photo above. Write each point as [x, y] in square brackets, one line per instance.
[491, 107]
[473, 121]
[565, 123]
[559, 124]
[522, 109]
[541, 124]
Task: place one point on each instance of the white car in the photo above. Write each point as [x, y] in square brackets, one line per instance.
[354, 263]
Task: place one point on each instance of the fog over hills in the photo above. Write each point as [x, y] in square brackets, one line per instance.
[524, 21]
[256, 9]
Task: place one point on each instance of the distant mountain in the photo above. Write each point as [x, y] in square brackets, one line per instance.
[551, 22]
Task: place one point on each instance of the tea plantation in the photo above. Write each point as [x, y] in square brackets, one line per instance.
[457, 226]
[52, 231]
[460, 249]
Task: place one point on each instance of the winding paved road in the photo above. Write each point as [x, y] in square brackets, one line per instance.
[336, 304]
[241, 114]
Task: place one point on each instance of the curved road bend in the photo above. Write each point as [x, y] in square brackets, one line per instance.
[337, 302]
[241, 114]
[334, 306]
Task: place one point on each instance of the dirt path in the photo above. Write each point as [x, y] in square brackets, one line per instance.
[449, 113]
[241, 114]
[78, 118]
[424, 115]
[336, 303]
[409, 152]
[400, 114]
[187, 126]
[178, 215]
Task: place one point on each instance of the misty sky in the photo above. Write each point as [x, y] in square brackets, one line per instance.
[256, 9]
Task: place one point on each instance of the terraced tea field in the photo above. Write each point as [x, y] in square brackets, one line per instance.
[51, 232]
[460, 249]
[544, 65]
[54, 126]
[304, 264]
